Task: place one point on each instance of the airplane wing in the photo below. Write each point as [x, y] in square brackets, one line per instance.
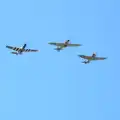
[62, 44]
[82, 56]
[73, 45]
[100, 58]
[57, 44]
[30, 50]
[13, 48]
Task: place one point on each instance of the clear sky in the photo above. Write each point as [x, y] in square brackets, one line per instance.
[56, 86]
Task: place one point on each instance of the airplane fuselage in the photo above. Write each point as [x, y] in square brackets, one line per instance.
[20, 50]
[88, 57]
[64, 46]
[17, 53]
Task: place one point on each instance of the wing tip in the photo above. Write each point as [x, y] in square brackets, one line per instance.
[80, 44]
[36, 50]
[50, 42]
[80, 55]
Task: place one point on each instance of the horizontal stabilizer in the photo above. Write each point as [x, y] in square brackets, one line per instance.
[14, 53]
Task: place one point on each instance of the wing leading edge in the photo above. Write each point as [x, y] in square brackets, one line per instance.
[30, 50]
[24, 50]
[13, 48]
[62, 44]
[100, 58]
[92, 58]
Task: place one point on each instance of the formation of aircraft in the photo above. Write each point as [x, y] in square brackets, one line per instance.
[88, 59]
[60, 46]
[20, 50]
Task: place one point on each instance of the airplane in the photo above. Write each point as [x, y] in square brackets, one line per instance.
[60, 46]
[20, 50]
[91, 58]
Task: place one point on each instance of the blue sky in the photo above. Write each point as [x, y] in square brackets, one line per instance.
[56, 86]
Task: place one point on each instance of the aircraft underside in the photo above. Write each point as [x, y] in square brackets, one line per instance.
[17, 53]
[86, 61]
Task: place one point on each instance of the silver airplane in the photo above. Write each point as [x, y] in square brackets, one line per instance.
[61, 46]
[91, 58]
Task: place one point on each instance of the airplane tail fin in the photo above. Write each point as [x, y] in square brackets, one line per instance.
[24, 46]
[94, 54]
[67, 41]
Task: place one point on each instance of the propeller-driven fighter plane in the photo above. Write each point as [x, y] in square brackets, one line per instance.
[20, 50]
[91, 58]
[61, 46]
